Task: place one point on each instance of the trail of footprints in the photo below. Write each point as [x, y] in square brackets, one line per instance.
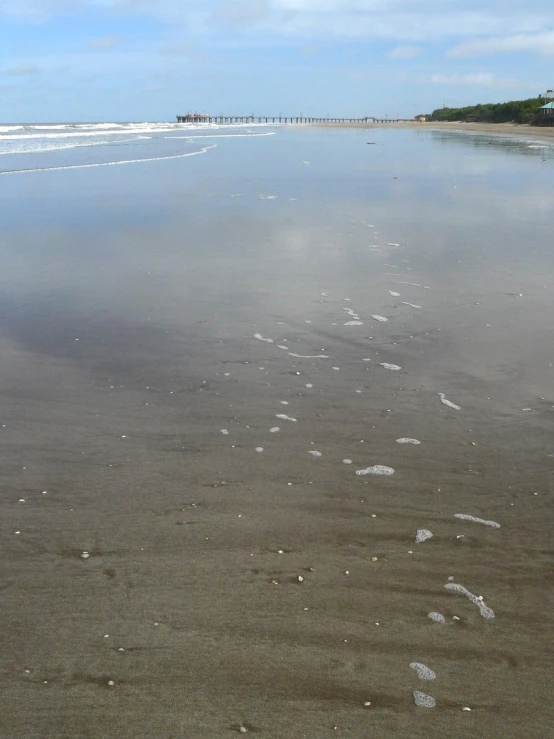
[423, 672]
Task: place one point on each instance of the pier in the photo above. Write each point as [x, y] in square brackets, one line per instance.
[222, 119]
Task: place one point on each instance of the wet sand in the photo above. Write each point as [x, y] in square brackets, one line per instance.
[500, 129]
[233, 578]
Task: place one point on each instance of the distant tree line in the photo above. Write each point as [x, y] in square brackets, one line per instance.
[516, 111]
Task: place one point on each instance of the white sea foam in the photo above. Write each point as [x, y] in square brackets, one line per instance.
[405, 440]
[107, 164]
[378, 469]
[423, 672]
[426, 701]
[283, 417]
[381, 319]
[448, 403]
[467, 517]
[347, 461]
[222, 136]
[261, 338]
[391, 243]
[412, 305]
[315, 454]
[39, 148]
[394, 295]
[484, 610]
[423, 535]
[353, 323]
[436, 617]
[393, 367]
[274, 430]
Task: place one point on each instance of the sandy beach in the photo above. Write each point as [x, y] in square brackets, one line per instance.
[498, 129]
[276, 438]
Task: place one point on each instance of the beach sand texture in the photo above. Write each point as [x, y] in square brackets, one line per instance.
[187, 548]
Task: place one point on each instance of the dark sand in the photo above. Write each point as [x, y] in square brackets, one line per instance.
[129, 304]
[513, 130]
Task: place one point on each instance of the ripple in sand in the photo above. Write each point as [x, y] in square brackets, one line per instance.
[436, 617]
[404, 440]
[426, 701]
[393, 294]
[283, 417]
[309, 356]
[423, 672]
[261, 338]
[484, 610]
[378, 469]
[423, 535]
[381, 319]
[392, 367]
[467, 517]
[448, 403]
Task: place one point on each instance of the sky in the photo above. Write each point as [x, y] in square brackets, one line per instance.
[149, 60]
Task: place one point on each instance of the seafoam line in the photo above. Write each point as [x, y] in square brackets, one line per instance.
[107, 164]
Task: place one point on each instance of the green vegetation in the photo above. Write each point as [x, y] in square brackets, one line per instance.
[515, 111]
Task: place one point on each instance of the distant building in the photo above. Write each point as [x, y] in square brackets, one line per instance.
[420, 118]
[193, 118]
[548, 95]
[545, 116]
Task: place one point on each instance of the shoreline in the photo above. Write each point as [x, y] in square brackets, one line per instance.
[508, 130]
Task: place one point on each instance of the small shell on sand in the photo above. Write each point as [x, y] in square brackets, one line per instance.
[85, 555]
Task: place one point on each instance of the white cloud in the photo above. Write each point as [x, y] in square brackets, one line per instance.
[541, 43]
[404, 20]
[404, 52]
[473, 79]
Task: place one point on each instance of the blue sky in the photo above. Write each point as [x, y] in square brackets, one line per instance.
[131, 60]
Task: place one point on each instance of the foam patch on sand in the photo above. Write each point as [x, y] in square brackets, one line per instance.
[378, 469]
[274, 430]
[394, 295]
[412, 305]
[423, 672]
[261, 338]
[381, 319]
[347, 461]
[426, 701]
[393, 367]
[467, 517]
[423, 535]
[404, 440]
[484, 610]
[353, 323]
[315, 454]
[436, 617]
[448, 403]
[283, 417]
